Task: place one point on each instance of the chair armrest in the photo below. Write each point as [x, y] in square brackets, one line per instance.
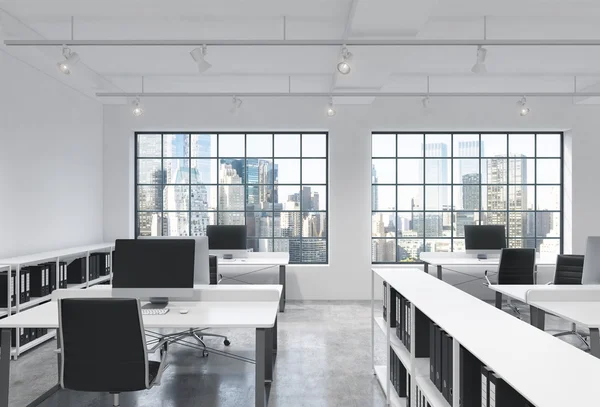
[550, 283]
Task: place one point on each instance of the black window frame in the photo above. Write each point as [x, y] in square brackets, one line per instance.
[451, 185]
[271, 212]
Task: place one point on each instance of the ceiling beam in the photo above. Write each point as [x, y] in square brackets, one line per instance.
[300, 43]
[346, 94]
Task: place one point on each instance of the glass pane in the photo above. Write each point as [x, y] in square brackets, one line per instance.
[176, 224]
[548, 198]
[259, 145]
[177, 171]
[200, 220]
[204, 171]
[383, 171]
[279, 245]
[314, 198]
[149, 145]
[383, 250]
[521, 243]
[438, 245]
[493, 197]
[287, 145]
[548, 171]
[232, 145]
[383, 198]
[466, 145]
[495, 169]
[176, 198]
[437, 171]
[288, 197]
[383, 145]
[493, 218]
[464, 218]
[520, 224]
[458, 245]
[290, 224]
[176, 145]
[437, 197]
[295, 250]
[434, 224]
[231, 218]
[259, 171]
[252, 198]
[149, 198]
[549, 246]
[547, 224]
[260, 197]
[437, 145]
[466, 197]
[259, 224]
[232, 171]
[521, 171]
[383, 225]
[548, 145]
[149, 172]
[466, 171]
[409, 145]
[521, 197]
[314, 250]
[288, 171]
[231, 197]
[410, 171]
[204, 145]
[314, 145]
[494, 145]
[314, 171]
[409, 197]
[410, 224]
[521, 145]
[409, 250]
[314, 224]
[204, 197]
[149, 224]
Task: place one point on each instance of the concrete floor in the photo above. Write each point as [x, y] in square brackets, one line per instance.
[324, 360]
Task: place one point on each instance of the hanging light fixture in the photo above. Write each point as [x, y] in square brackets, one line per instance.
[236, 104]
[523, 108]
[425, 102]
[199, 54]
[479, 66]
[137, 109]
[330, 109]
[71, 59]
[344, 66]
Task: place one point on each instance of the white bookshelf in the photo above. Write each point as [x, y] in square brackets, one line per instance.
[16, 263]
[394, 399]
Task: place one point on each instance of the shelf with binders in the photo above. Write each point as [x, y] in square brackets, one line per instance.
[395, 400]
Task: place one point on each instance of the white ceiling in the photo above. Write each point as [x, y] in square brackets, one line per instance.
[310, 69]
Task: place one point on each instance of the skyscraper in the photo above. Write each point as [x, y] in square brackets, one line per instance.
[436, 172]
[230, 198]
[374, 195]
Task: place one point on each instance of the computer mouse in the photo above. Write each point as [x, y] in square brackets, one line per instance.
[184, 311]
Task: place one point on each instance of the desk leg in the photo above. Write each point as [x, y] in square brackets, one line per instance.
[595, 342]
[426, 267]
[538, 317]
[260, 390]
[269, 356]
[4, 366]
[274, 348]
[439, 272]
[499, 300]
[282, 282]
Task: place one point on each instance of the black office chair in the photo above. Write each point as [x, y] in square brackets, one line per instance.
[103, 347]
[517, 266]
[569, 270]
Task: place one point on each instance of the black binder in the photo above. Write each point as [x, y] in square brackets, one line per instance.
[39, 280]
[76, 271]
[385, 300]
[432, 355]
[485, 386]
[24, 285]
[445, 351]
[422, 334]
[392, 310]
[470, 379]
[51, 276]
[501, 394]
[5, 281]
[438, 358]
[63, 274]
[447, 366]
[408, 392]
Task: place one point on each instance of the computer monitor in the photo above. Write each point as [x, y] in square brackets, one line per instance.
[227, 240]
[201, 265]
[591, 261]
[485, 239]
[155, 269]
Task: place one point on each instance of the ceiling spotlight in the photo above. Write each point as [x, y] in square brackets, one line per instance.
[344, 66]
[330, 109]
[137, 109]
[198, 54]
[523, 109]
[425, 101]
[71, 59]
[236, 104]
[479, 66]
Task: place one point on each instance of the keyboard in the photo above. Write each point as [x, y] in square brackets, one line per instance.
[154, 311]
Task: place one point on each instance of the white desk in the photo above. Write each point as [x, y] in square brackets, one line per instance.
[220, 307]
[259, 259]
[545, 370]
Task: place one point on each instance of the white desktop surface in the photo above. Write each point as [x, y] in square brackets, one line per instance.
[462, 259]
[529, 293]
[39, 257]
[586, 313]
[544, 369]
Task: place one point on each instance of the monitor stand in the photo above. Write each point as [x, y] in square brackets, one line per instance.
[157, 302]
[481, 256]
[228, 256]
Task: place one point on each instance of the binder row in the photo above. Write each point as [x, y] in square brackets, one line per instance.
[35, 281]
[440, 361]
[385, 300]
[398, 374]
[27, 335]
[495, 392]
[99, 265]
[421, 400]
[403, 316]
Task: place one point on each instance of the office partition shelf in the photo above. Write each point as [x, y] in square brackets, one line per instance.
[421, 367]
[395, 343]
[432, 394]
[34, 343]
[52, 255]
[33, 302]
[100, 280]
[395, 400]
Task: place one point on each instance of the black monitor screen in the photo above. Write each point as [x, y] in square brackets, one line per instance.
[226, 237]
[485, 237]
[156, 263]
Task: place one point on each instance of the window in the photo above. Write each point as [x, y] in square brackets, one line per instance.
[275, 184]
[427, 187]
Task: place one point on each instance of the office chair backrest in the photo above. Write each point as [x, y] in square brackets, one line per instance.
[591, 263]
[103, 345]
[569, 269]
[516, 266]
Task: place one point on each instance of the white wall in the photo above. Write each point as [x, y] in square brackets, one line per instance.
[50, 163]
[348, 276]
